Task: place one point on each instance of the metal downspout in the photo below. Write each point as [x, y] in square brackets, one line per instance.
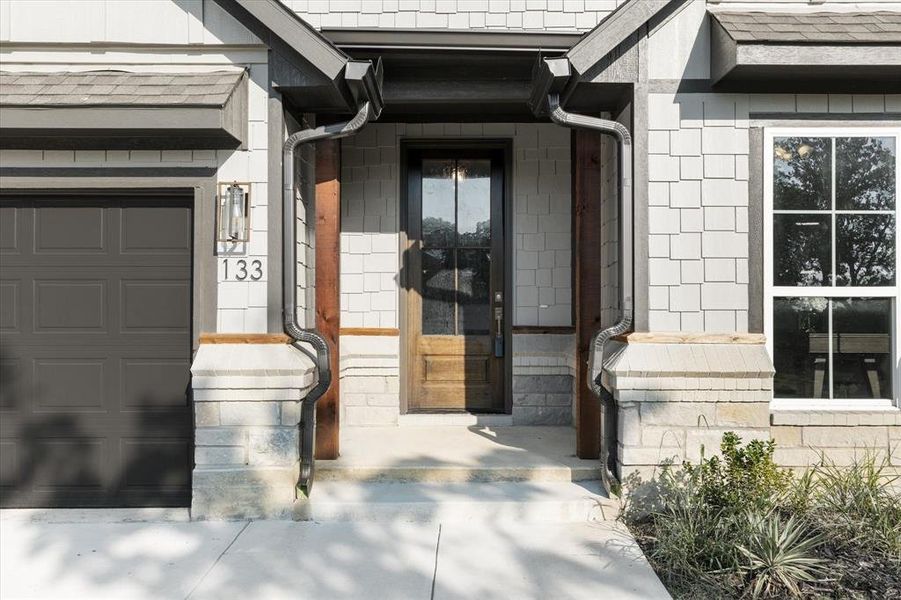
[307, 425]
[624, 324]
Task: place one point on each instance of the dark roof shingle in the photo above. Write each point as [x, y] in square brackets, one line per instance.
[837, 27]
[117, 88]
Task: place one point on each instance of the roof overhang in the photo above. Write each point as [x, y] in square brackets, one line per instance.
[310, 72]
[76, 121]
[450, 39]
[739, 60]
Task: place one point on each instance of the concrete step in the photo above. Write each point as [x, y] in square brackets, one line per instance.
[490, 502]
[429, 472]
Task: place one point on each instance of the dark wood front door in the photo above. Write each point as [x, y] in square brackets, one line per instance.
[455, 318]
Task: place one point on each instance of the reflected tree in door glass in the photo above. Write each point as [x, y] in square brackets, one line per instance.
[865, 250]
[802, 250]
[862, 347]
[865, 173]
[438, 203]
[473, 291]
[802, 173]
[438, 292]
[474, 203]
[801, 347]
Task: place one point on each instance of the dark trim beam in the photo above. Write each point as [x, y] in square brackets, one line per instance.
[586, 182]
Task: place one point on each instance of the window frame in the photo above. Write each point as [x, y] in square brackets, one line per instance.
[772, 291]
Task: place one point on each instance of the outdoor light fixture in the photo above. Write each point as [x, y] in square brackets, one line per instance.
[234, 212]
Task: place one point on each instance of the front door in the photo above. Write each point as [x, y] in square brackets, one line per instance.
[455, 258]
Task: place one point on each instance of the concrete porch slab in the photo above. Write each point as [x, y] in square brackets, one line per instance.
[457, 454]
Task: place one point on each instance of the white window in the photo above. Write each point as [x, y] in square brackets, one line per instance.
[830, 265]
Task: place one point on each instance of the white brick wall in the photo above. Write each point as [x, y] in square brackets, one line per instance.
[370, 219]
[546, 15]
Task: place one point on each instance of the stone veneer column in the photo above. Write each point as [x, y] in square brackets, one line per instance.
[676, 398]
[246, 411]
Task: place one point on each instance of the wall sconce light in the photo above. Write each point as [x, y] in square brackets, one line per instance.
[234, 212]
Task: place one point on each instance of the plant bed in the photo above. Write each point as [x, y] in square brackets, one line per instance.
[739, 526]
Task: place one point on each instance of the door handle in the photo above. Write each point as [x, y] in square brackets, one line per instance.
[499, 326]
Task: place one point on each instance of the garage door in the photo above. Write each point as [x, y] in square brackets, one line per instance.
[95, 345]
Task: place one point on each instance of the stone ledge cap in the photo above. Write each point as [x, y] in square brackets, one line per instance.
[687, 360]
[251, 360]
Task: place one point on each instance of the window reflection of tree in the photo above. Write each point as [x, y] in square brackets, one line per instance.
[865, 180]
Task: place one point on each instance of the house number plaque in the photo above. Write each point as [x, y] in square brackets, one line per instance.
[242, 269]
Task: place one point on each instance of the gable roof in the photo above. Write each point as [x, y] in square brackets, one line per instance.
[835, 27]
[612, 31]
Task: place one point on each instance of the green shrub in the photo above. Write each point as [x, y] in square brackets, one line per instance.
[745, 477]
[779, 556]
[738, 526]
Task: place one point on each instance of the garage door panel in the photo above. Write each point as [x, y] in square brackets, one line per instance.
[142, 458]
[62, 229]
[156, 231]
[149, 306]
[95, 351]
[9, 217]
[70, 385]
[152, 383]
[66, 463]
[71, 306]
[9, 305]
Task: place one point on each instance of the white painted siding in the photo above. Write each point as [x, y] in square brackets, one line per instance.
[370, 261]
[513, 15]
[698, 190]
[181, 22]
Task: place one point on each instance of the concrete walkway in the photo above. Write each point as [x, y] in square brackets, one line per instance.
[95, 558]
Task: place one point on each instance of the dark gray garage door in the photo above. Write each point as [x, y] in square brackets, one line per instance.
[95, 344]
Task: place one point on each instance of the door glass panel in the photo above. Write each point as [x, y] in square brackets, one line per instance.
[474, 202]
[473, 292]
[802, 252]
[438, 203]
[865, 173]
[862, 347]
[802, 173]
[438, 291]
[801, 347]
[865, 250]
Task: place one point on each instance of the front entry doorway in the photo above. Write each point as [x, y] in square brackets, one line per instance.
[455, 310]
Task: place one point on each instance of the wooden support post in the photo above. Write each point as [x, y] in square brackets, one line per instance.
[328, 293]
[586, 160]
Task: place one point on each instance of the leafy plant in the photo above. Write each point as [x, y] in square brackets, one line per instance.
[744, 477]
[780, 556]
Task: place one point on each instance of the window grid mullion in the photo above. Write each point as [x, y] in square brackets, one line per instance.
[834, 271]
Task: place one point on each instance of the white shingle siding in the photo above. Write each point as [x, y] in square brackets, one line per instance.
[370, 220]
[511, 15]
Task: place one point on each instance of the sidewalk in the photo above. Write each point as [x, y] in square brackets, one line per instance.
[260, 560]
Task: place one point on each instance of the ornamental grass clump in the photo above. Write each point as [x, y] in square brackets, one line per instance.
[737, 525]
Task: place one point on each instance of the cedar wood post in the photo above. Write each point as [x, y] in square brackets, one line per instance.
[328, 255]
[586, 152]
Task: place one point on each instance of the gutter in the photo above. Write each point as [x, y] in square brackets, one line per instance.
[551, 78]
[364, 81]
